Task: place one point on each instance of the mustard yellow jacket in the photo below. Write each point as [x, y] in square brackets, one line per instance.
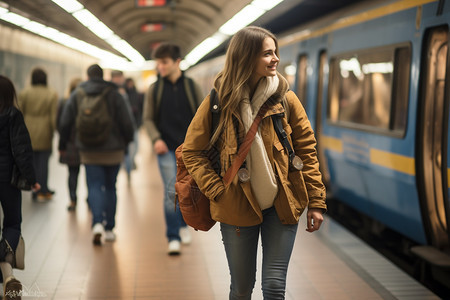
[236, 205]
[39, 104]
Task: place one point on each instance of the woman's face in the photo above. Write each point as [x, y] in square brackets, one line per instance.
[267, 61]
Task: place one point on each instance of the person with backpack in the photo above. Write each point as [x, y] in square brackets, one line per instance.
[169, 105]
[103, 128]
[15, 151]
[39, 104]
[275, 183]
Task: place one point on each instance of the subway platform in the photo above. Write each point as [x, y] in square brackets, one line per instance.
[62, 263]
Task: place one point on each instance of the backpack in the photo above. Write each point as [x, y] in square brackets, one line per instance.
[93, 122]
[193, 204]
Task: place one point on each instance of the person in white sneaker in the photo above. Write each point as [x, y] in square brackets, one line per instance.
[103, 155]
[169, 105]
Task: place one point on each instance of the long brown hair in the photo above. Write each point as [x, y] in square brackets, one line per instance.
[7, 93]
[240, 61]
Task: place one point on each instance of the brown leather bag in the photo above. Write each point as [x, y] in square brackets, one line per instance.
[194, 205]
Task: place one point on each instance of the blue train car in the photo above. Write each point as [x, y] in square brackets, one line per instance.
[373, 79]
[375, 85]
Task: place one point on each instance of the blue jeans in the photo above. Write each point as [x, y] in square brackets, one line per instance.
[101, 183]
[174, 220]
[241, 245]
[132, 150]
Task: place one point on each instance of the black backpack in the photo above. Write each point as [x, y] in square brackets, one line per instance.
[93, 123]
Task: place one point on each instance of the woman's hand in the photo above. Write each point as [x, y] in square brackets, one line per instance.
[35, 187]
[314, 219]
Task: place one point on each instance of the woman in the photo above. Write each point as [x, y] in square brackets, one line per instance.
[14, 138]
[39, 104]
[70, 157]
[271, 202]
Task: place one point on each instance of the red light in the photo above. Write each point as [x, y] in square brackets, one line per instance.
[153, 27]
[150, 3]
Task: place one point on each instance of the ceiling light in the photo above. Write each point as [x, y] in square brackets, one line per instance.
[266, 4]
[70, 6]
[101, 30]
[204, 47]
[246, 16]
[14, 19]
[34, 27]
[85, 17]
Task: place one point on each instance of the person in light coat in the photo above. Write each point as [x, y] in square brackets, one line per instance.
[39, 105]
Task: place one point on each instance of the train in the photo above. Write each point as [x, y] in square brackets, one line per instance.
[374, 80]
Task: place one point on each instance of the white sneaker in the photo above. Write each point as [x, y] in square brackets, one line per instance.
[110, 236]
[174, 247]
[185, 235]
[97, 232]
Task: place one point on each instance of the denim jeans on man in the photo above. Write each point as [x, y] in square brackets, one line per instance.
[174, 220]
[101, 182]
[241, 244]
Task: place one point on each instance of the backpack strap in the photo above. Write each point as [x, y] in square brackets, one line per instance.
[215, 110]
[214, 153]
[190, 93]
[157, 96]
[282, 135]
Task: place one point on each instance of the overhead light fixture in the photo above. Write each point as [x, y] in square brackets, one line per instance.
[97, 27]
[14, 18]
[85, 17]
[246, 16]
[205, 47]
[243, 18]
[70, 6]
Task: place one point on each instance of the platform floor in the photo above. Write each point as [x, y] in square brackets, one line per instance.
[62, 263]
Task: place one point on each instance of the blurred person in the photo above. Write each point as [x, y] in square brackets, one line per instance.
[169, 105]
[136, 100]
[15, 149]
[71, 156]
[118, 78]
[278, 186]
[39, 105]
[101, 149]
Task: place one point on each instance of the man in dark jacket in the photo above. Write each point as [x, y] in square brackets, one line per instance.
[169, 106]
[102, 161]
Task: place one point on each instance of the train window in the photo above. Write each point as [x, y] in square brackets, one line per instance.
[370, 88]
[302, 78]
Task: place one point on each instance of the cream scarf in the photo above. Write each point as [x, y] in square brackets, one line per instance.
[262, 178]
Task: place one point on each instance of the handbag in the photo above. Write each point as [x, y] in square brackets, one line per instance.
[18, 180]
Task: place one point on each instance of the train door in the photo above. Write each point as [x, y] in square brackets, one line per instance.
[323, 70]
[433, 131]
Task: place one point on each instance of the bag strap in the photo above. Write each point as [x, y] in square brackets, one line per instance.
[245, 146]
[282, 135]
